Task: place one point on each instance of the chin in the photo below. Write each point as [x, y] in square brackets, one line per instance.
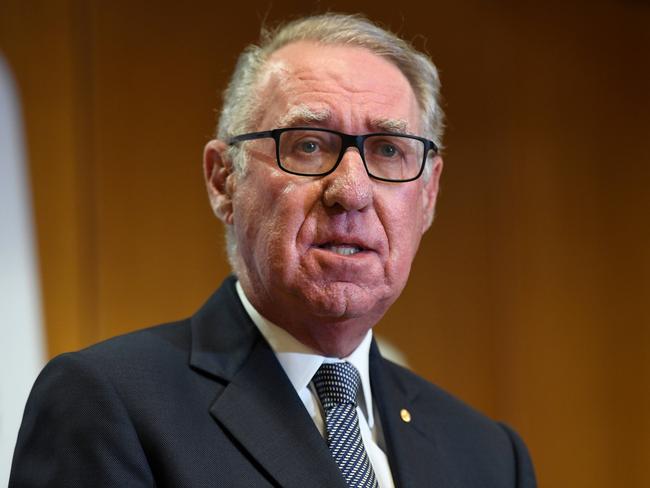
[346, 301]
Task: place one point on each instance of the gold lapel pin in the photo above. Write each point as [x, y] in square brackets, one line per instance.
[405, 415]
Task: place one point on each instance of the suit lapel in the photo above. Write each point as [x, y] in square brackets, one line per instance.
[414, 457]
[258, 405]
[261, 410]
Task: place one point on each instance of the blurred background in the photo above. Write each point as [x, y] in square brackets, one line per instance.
[530, 296]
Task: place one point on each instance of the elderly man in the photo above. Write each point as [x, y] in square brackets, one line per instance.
[325, 173]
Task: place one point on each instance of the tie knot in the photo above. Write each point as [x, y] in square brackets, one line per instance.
[337, 383]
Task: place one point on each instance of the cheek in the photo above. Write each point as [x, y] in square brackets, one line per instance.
[403, 224]
[270, 221]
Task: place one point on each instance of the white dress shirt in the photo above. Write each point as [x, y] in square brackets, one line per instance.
[300, 363]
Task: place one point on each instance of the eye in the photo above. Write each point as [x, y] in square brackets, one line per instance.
[387, 150]
[308, 147]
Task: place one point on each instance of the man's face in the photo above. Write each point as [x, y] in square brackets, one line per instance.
[324, 257]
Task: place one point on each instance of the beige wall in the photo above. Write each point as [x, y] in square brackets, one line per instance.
[529, 297]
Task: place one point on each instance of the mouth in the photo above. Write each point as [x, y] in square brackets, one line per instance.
[342, 249]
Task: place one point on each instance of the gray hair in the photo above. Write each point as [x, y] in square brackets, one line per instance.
[240, 99]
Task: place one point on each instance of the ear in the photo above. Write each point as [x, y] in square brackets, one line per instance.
[218, 172]
[430, 193]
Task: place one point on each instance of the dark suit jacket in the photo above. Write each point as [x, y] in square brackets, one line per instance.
[204, 403]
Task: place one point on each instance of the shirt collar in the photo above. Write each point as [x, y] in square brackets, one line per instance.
[300, 362]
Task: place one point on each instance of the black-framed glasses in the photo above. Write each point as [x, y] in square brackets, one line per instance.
[310, 151]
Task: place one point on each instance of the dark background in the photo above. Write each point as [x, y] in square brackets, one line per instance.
[530, 295]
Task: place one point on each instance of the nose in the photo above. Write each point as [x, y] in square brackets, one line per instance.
[349, 186]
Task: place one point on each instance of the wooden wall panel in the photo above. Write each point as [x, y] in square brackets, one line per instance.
[154, 88]
[529, 295]
[41, 45]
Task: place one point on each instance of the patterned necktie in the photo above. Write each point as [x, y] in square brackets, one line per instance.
[337, 385]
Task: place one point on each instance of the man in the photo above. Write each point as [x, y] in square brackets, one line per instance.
[325, 173]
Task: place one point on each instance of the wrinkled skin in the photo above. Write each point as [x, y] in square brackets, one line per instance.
[286, 226]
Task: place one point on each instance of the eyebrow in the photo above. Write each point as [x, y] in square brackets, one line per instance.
[303, 115]
[390, 125]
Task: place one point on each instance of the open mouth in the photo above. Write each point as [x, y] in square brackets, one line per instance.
[342, 249]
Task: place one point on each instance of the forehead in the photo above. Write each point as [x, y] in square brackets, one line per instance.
[344, 87]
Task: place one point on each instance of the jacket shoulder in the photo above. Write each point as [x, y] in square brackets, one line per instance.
[165, 342]
[84, 417]
[476, 448]
[430, 395]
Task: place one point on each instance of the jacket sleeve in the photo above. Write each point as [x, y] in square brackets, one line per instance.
[525, 474]
[77, 432]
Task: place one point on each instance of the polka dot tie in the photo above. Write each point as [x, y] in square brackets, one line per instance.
[337, 385]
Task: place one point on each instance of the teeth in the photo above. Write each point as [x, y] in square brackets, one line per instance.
[343, 250]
